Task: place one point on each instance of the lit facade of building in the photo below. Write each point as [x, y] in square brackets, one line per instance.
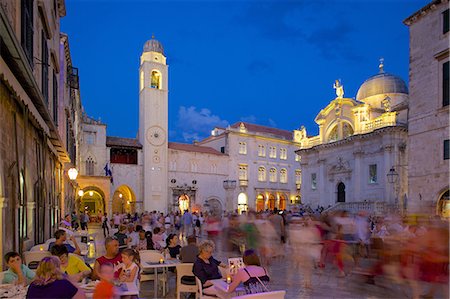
[39, 109]
[243, 166]
[428, 128]
[359, 142]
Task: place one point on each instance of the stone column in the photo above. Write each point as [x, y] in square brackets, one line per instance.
[357, 177]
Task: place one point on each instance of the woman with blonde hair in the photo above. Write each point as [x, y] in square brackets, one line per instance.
[49, 282]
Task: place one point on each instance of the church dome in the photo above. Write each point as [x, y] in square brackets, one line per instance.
[381, 83]
[153, 45]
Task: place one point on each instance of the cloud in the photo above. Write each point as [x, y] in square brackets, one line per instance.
[197, 124]
[302, 22]
[272, 123]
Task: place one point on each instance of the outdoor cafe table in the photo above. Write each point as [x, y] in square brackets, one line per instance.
[146, 266]
[222, 286]
[130, 290]
[13, 291]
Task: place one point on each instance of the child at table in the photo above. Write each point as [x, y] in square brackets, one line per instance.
[130, 268]
[105, 288]
[17, 272]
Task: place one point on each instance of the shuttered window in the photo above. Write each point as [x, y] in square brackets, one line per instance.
[445, 84]
[44, 61]
[27, 29]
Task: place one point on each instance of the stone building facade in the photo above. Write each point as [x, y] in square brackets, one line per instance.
[227, 171]
[38, 130]
[428, 128]
[360, 142]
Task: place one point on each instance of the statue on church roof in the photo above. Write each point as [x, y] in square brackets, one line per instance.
[339, 88]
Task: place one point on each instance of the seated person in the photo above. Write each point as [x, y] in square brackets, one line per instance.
[172, 246]
[252, 276]
[206, 267]
[122, 237]
[157, 238]
[17, 272]
[71, 264]
[50, 282]
[188, 253]
[61, 237]
[111, 256]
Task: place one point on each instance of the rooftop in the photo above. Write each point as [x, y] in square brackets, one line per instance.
[265, 130]
[122, 142]
[193, 148]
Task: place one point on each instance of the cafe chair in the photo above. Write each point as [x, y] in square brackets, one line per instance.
[199, 294]
[152, 256]
[32, 258]
[186, 282]
[266, 295]
[39, 247]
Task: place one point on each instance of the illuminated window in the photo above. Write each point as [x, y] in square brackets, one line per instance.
[262, 174]
[242, 172]
[242, 148]
[333, 136]
[283, 153]
[313, 181]
[261, 150]
[372, 173]
[155, 80]
[272, 152]
[298, 176]
[283, 175]
[347, 130]
[141, 81]
[298, 158]
[273, 175]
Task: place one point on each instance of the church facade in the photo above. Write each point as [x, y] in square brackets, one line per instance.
[358, 160]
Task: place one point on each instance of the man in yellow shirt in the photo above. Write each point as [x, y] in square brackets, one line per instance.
[71, 264]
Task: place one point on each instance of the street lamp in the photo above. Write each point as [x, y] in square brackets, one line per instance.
[73, 173]
[392, 177]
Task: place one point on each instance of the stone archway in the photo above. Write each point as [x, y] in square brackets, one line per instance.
[92, 201]
[271, 202]
[282, 202]
[443, 205]
[124, 200]
[340, 192]
[260, 199]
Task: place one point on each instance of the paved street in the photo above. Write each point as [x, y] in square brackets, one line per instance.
[285, 276]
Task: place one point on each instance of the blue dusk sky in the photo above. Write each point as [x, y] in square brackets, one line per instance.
[266, 62]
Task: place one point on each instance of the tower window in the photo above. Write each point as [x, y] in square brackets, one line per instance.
[90, 166]
[155, 80]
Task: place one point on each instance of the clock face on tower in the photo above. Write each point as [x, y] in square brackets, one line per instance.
[156, 135]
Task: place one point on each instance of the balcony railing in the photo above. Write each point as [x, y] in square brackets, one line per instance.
[374, 207]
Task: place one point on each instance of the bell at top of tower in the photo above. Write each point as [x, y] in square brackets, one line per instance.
[153, 45]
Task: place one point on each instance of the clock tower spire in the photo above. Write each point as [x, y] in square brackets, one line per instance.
[153, 125]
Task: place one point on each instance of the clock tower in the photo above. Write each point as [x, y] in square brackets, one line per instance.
[153, 118]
